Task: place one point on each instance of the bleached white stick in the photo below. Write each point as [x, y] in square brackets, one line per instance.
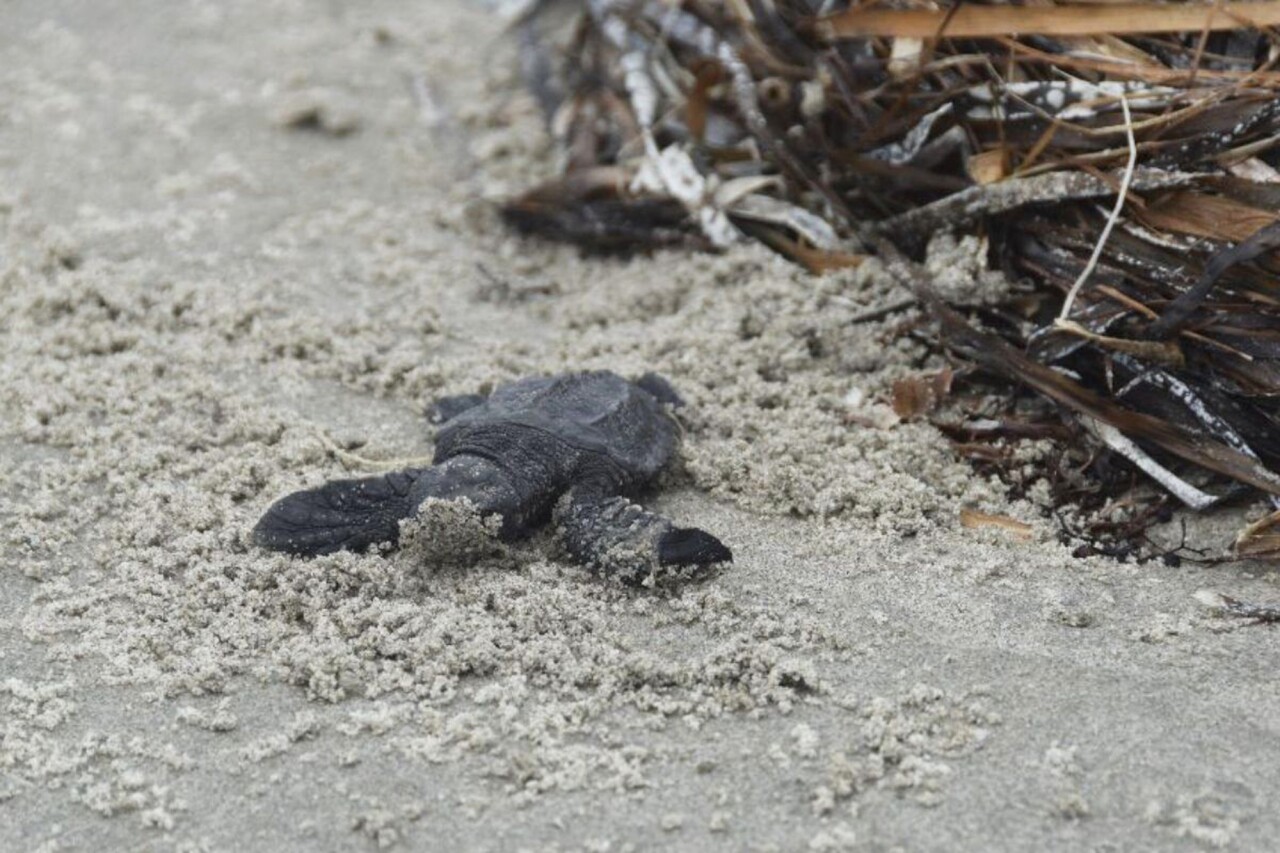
[1120, 443]
[1111, 220]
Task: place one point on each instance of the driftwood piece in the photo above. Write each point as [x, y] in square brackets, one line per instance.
[962, 210]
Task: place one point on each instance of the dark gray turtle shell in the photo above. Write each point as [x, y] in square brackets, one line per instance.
[598, 414]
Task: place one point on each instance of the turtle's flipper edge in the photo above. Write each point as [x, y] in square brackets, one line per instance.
[661, 389]
[613, 536]
[341, 515]
[689, 546]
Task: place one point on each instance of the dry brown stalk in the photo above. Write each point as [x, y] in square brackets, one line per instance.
[1084, 20]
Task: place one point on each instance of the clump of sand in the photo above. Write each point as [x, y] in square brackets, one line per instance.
[450, 533]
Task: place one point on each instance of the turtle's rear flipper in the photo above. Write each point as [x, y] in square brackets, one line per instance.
[615, 537]
[341, 515]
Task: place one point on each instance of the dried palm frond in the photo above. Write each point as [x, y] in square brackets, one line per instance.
[1122, 159]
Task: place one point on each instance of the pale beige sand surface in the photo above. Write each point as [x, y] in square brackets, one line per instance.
[197, 301]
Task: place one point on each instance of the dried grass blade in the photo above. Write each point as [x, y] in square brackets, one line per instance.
[1205, 215]
[973, 519]
[1084, 20]
[1260, 539]
[1166, 353]
[1180, 310]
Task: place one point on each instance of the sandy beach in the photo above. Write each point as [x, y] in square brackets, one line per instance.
[235, 236]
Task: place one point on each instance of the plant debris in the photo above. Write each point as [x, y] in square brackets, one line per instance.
[916, 395]
[1228, 606]
[1261, 539]
[974, 519]
[1120, 163]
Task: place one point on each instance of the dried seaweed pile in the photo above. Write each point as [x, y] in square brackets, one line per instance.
[1119, 161]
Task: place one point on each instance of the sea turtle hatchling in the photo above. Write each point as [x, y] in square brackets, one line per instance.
[571, 448]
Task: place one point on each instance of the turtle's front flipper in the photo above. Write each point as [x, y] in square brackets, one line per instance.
[448, 408]
[612, 535]
[340, 515]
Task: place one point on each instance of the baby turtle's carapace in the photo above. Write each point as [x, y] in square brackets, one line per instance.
[571, 449]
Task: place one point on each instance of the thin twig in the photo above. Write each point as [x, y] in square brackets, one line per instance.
[1111, 220]
[1200, 45]
[1120, 443]
[880, 312]
[358, 461]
